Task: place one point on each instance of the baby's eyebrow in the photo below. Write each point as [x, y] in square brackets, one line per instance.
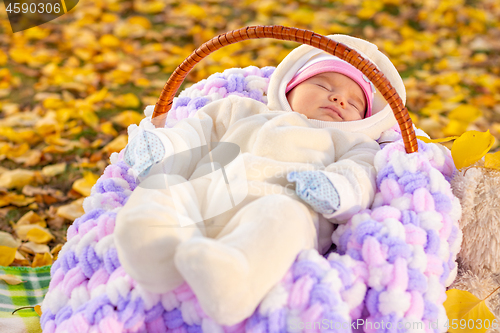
[320, 77]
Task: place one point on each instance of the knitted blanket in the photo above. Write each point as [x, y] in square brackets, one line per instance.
[28, 293]
[389, 274]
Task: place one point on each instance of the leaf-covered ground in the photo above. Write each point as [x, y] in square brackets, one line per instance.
[70, 88]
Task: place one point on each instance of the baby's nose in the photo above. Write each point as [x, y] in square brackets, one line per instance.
[337, 98]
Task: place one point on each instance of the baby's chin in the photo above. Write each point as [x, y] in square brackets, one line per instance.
[327, 117]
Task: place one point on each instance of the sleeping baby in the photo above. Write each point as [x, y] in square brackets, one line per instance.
[317, 136]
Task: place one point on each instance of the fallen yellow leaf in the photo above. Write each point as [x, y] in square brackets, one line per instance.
[109, 41]
[492, 161]
[30, 158]
[149, 7]
[55, 250]
[127, 118]
[116, 145]
[470, 147]
[127, 101]
[89, 118]
[18, 200]
[48, 125]
[23, 230]
[462, 305]
[37, 33]
[54, 170]
[465, 112]
[7, 255]
[18, 136]
[140, 20]
[11, 279]
[16, 178]
[53, 103]
[13, 151]
[38, 309]
[84, 185]
[303, 16]
[31, 218]
[96, 143]
[455, 127]
[97, 96]
[71, 211]
[39, 235]
[427, 140]
[42, 259]
[107, 128]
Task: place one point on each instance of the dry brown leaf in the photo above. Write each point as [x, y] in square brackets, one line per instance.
[11, 279]
[55, 222]
[42, 259]
[72, 211]
[5, 211]
[54, 194]
[21, 260]
[6, 239]
[34, 247]
[96, 157]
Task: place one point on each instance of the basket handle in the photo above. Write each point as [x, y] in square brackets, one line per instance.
[340, 50]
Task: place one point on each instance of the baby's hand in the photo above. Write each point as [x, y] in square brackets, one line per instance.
[143, 151]
[315, 189]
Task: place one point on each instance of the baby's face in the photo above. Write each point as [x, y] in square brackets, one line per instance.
[328, 96]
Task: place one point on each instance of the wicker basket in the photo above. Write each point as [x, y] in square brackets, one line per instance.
[340, 50]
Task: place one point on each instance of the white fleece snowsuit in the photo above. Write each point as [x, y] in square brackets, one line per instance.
[233, 259]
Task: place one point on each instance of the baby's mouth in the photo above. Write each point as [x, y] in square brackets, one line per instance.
[332, 110]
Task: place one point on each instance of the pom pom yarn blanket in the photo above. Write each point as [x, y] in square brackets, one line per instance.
[389, 274]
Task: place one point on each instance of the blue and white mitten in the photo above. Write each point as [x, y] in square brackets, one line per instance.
[143, 151]
[316, 190]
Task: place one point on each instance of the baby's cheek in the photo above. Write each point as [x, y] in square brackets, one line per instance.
[356, 115]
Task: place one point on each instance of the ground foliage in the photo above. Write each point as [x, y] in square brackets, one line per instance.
[70, 88]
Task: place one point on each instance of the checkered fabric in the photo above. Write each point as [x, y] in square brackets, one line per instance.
[29, 293]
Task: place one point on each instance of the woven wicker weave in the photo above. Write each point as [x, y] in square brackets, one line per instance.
[340, 50]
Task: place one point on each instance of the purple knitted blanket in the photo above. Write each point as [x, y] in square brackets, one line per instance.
[389, 274]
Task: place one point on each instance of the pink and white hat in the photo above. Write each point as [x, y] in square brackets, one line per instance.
[329, 63]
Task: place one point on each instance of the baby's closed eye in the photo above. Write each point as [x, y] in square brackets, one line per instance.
[355, 105]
